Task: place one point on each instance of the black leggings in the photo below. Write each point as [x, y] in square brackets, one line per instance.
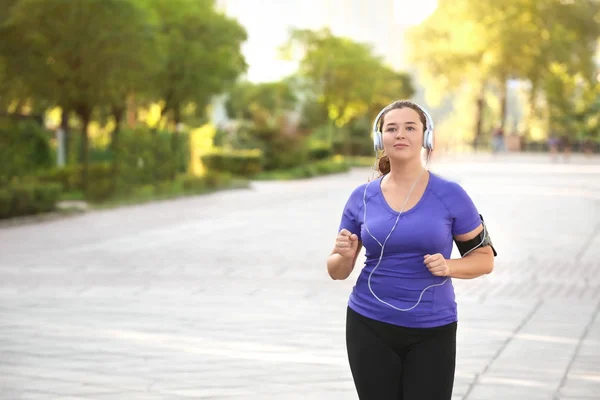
[390, 362]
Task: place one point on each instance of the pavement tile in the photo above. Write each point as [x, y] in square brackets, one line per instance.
[225, 296]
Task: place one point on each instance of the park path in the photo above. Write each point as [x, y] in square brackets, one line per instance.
[226, 296]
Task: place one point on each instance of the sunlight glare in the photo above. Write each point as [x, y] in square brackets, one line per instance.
[410, 12]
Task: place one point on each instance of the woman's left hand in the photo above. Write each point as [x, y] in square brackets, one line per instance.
[437, 265]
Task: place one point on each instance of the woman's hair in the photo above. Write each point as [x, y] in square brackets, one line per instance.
[384, 162]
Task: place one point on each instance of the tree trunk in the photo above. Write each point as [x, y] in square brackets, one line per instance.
[131, 111]
[479, 101]
[503, 102]
[175, 140]
[64, 125]
[85, 115]
[531, 110]
[117, 113]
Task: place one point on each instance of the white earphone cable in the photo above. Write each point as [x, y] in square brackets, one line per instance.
[388, 236]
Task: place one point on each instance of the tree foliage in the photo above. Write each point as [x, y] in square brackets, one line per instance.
[75, 54]
[345, 80]
[200, 54]
[346, 76]
[90, 55]
[485, 43]
[261, 101]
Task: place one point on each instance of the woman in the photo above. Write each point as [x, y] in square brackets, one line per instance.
[402, 316]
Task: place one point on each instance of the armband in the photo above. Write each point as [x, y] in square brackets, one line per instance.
[481, 240]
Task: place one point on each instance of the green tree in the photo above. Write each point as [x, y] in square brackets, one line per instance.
[465, 42]
[563, 71]
[259, 101]
[484, 43]
[201, 55]
[75, 53]
[7, 86]
[573, 103]
[346, 77]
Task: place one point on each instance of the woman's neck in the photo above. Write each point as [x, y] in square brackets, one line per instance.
[406, 173]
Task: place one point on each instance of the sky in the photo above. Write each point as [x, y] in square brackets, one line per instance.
[268, 22]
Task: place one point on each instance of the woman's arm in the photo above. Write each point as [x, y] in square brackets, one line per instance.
[340, 267]
[478, 262]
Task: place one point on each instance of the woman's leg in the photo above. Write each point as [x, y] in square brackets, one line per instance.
[376, 368]
[430, 364]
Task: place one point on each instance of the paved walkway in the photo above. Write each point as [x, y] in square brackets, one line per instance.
[226, 296]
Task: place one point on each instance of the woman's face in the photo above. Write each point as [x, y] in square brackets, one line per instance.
[402, 134]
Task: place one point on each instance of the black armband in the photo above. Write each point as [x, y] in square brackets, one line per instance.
[481, 240]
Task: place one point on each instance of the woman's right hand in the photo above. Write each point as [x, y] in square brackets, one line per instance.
[346, 244]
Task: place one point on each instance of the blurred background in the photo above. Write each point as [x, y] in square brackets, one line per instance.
[112, 101]
[225, 295]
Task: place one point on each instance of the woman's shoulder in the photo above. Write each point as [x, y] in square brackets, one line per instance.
[446, 187]
[370, 187]
[364, 191]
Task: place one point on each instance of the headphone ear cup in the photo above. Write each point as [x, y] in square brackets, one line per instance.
[377, 142]
[428, 139]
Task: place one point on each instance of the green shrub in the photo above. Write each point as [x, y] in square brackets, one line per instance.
[310, 170]
[165, 187]
[69, 177]
[23, 199]
[46, 196]
[218, 179]
[193, 183]
[320, 151]
[5, 202]
[26, 199]
[143, 157]
[279, 150]
[143, 192]
[236, 162]
[24, 148]
[100, 184]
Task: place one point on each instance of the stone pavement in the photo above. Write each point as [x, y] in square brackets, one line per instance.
[226, 296]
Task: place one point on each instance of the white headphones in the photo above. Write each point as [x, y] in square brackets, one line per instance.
[427, 136]
[382, 245]
[378, 144]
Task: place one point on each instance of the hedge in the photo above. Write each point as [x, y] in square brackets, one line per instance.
[317, 168]
[237, 162]
[30, 198]
[99, 186]
[24, 148]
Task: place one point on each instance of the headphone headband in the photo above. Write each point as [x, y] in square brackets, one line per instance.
[427, 137]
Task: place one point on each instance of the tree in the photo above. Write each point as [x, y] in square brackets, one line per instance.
[200, 57]
[255, 101]
[564, 71]
[76, 53]
[469, 42]
[344, 76]
[484, 43]
[201, 54]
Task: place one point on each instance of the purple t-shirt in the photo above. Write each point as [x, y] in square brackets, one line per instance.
[444, 210]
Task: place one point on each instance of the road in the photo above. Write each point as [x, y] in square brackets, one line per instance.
[226, 296]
